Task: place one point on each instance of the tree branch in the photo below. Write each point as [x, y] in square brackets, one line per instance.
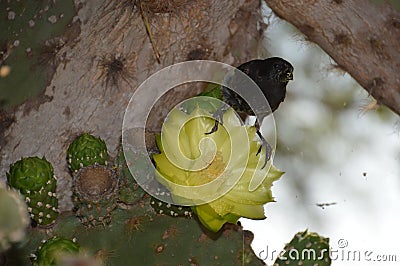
[363, 38]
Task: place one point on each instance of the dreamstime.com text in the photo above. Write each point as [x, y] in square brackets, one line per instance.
[339, 254]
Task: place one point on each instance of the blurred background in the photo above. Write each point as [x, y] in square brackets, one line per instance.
[342, 164]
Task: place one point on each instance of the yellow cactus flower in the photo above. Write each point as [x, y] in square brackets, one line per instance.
[212, 173]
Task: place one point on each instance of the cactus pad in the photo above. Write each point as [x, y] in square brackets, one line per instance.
[139, 236]
[307, 249]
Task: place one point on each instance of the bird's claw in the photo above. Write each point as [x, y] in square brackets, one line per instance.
[214, 128]
[264, 144]
[268, 149]
[218, 115]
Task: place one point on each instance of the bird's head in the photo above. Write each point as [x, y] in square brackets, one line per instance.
[279, 69]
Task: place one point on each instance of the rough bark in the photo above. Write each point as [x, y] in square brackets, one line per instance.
[363, 38]
[81, 98]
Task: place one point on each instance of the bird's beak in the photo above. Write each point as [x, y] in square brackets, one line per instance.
[289, 76]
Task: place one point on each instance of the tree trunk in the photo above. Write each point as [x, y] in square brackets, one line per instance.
[363, 38]
[85, 94]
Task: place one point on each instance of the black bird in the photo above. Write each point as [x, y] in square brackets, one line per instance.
[271, 75]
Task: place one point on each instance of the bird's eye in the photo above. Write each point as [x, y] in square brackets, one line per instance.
[289, 75]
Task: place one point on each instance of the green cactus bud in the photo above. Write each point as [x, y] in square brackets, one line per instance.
[307, 249]
[34, 177]
[95, 191]
[14, 218]
[30, 174]
[86, 150]
[53, 250]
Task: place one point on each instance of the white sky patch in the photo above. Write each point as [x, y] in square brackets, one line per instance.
[358, 167]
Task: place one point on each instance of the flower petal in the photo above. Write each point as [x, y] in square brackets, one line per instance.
[195, 167]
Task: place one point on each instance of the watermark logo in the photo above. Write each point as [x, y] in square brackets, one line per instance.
[341, 253]
[157, 85]
[342, 243]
